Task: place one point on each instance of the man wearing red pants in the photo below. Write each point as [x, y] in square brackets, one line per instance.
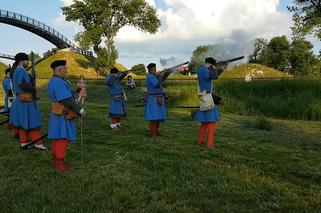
[62, 123]
[209, 117]
[25, 114]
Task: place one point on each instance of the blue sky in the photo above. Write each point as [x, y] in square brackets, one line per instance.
[142, 48]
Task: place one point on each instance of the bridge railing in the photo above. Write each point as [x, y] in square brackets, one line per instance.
[36, 23]
[6, 56]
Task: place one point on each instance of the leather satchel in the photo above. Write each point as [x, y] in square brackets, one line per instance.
[160, 99]
[59, 109]
[117, 98]
[25, 97]
[70, 115]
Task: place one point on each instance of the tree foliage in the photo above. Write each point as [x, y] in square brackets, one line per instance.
[102, 19]
[260, 45]
[36, 55]
[198, 56]
[277, 53]
[307, 18]
[301, 58]
[142, 69]
[295, 58]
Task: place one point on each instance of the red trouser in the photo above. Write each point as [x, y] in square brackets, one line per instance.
[154, 128]
[211, 132]
[59, 148]
[115, 120]
[10, 127]
[24, 135]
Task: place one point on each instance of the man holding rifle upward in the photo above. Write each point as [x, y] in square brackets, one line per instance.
[62, 123]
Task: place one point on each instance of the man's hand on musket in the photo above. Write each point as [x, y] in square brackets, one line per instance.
[225, 65]
[82, 112]
[83, 93]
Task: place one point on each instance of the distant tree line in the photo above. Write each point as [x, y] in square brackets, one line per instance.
[295, 58]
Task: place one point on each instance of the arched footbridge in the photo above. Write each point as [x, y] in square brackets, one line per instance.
[40, 29]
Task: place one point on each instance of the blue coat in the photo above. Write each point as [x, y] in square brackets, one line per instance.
[58, 127]
[6, 88]
[25, 115]
[205, 83]
[117, 108]
[154, 111]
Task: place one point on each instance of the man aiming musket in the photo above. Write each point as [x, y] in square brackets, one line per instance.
[208, 114]
[117, 106]
[155, 108]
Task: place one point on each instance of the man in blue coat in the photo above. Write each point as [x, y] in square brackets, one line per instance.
[155, 108]
[7, 89]
[25, 114]
[62, 127]
[8, 98]
[209, 118]
[117, 107]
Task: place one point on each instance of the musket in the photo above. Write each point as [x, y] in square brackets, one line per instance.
[122, 74]
[166, 72]
[174, 67]
[230, 60]
[128, 71]
[5, 112]
[132, 70]
[33, 142]
[141, 105]
[6, 121]
[188, 107]
[33, 74]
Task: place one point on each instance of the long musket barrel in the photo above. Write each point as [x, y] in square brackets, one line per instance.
[33, 74]
[177, 66]
[132, 70]
[168, 71]
[231, 60]
[33, 70]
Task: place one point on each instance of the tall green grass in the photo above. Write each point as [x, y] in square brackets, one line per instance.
[289, 99]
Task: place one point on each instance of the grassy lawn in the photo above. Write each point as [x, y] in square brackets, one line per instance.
[249, 170]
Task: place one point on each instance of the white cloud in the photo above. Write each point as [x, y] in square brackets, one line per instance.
[66, 2]
[61, 23]
[203, 19]
[189, 23]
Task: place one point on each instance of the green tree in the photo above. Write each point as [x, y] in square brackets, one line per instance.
[36, 55]
[260, 46]
[198, 56]
[307, 18]
[102, 19]
[301, 58]
[142, 69]
[277, 53]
